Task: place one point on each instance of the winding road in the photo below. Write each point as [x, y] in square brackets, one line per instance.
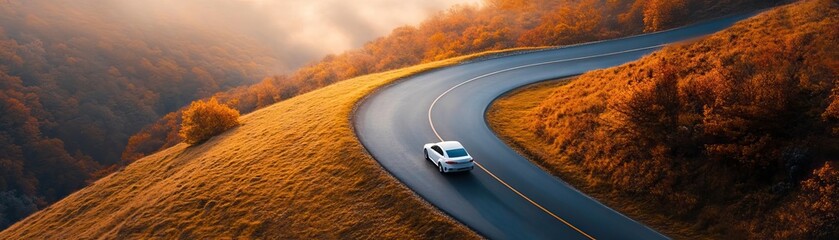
[507, 197]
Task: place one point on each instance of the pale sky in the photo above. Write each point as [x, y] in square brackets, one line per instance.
[337, 25]
[298, 31]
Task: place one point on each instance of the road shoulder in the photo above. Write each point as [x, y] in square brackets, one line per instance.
[508, 117]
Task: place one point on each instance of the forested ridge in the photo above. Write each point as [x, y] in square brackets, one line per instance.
[75, 83]
[461, 30]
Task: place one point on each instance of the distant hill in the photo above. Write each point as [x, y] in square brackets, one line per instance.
[293, 170]
[462, 30]
[82, 80]
[77, 78]
[735, 135]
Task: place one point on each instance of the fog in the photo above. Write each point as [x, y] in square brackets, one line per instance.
[298, 31]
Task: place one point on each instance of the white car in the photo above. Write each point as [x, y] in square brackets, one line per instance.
[449, 156]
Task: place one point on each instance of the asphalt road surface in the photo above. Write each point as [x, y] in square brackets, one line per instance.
[508, 197]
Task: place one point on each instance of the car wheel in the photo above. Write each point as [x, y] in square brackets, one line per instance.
[425, 151]
[440, 167]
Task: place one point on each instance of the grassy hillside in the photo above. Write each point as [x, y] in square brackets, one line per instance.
[733, 135]
[79, 77]
[291, 170]
[83, 81]
[462, 30]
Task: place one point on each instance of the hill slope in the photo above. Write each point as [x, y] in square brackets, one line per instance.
[734, 134]
[77, 78]
[291, 170]
[463, 30]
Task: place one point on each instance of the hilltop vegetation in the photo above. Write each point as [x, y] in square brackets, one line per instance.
[77, 78]
[205, 119]
[733, 135]
[293, 170]
[459, 31]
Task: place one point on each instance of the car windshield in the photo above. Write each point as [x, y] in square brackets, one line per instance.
[460, 152]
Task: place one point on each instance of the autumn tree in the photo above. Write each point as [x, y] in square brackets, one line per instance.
[567, 24]
[815, 212]
[741, 121]
[820, 198]
[660, 14]
[205, 119]
[831, 114]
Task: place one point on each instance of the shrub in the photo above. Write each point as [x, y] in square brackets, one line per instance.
[723, 129]
[820, 197]
[205, 119]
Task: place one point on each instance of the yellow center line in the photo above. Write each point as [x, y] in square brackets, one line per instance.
[533, 202]
[516, 68]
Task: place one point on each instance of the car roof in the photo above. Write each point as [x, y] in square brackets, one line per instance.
[449, 145]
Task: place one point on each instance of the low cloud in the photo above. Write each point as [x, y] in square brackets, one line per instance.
[299, 31]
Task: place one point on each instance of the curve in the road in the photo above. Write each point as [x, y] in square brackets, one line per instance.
[431, 123]
[511, 197]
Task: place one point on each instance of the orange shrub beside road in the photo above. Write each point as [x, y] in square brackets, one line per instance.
[734, 135]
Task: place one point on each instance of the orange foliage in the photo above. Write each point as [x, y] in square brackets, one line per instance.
[658, 14]
[458, 31]
[820, 198]
[831, 114]
[77, 79]
[813, 214]
[164, 134]
[205, 119]
[255, 182]
[92, 81]
[572, 23]
[728, 124]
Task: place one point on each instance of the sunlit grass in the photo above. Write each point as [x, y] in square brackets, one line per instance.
[291, 170]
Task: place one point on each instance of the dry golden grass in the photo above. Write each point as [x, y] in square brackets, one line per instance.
[510, 117]
[291, 170]
[670, 139]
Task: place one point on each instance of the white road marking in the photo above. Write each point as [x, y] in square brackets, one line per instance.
[430, 108]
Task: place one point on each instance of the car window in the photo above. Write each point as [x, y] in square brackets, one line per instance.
[437, 149]
[460, 152]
